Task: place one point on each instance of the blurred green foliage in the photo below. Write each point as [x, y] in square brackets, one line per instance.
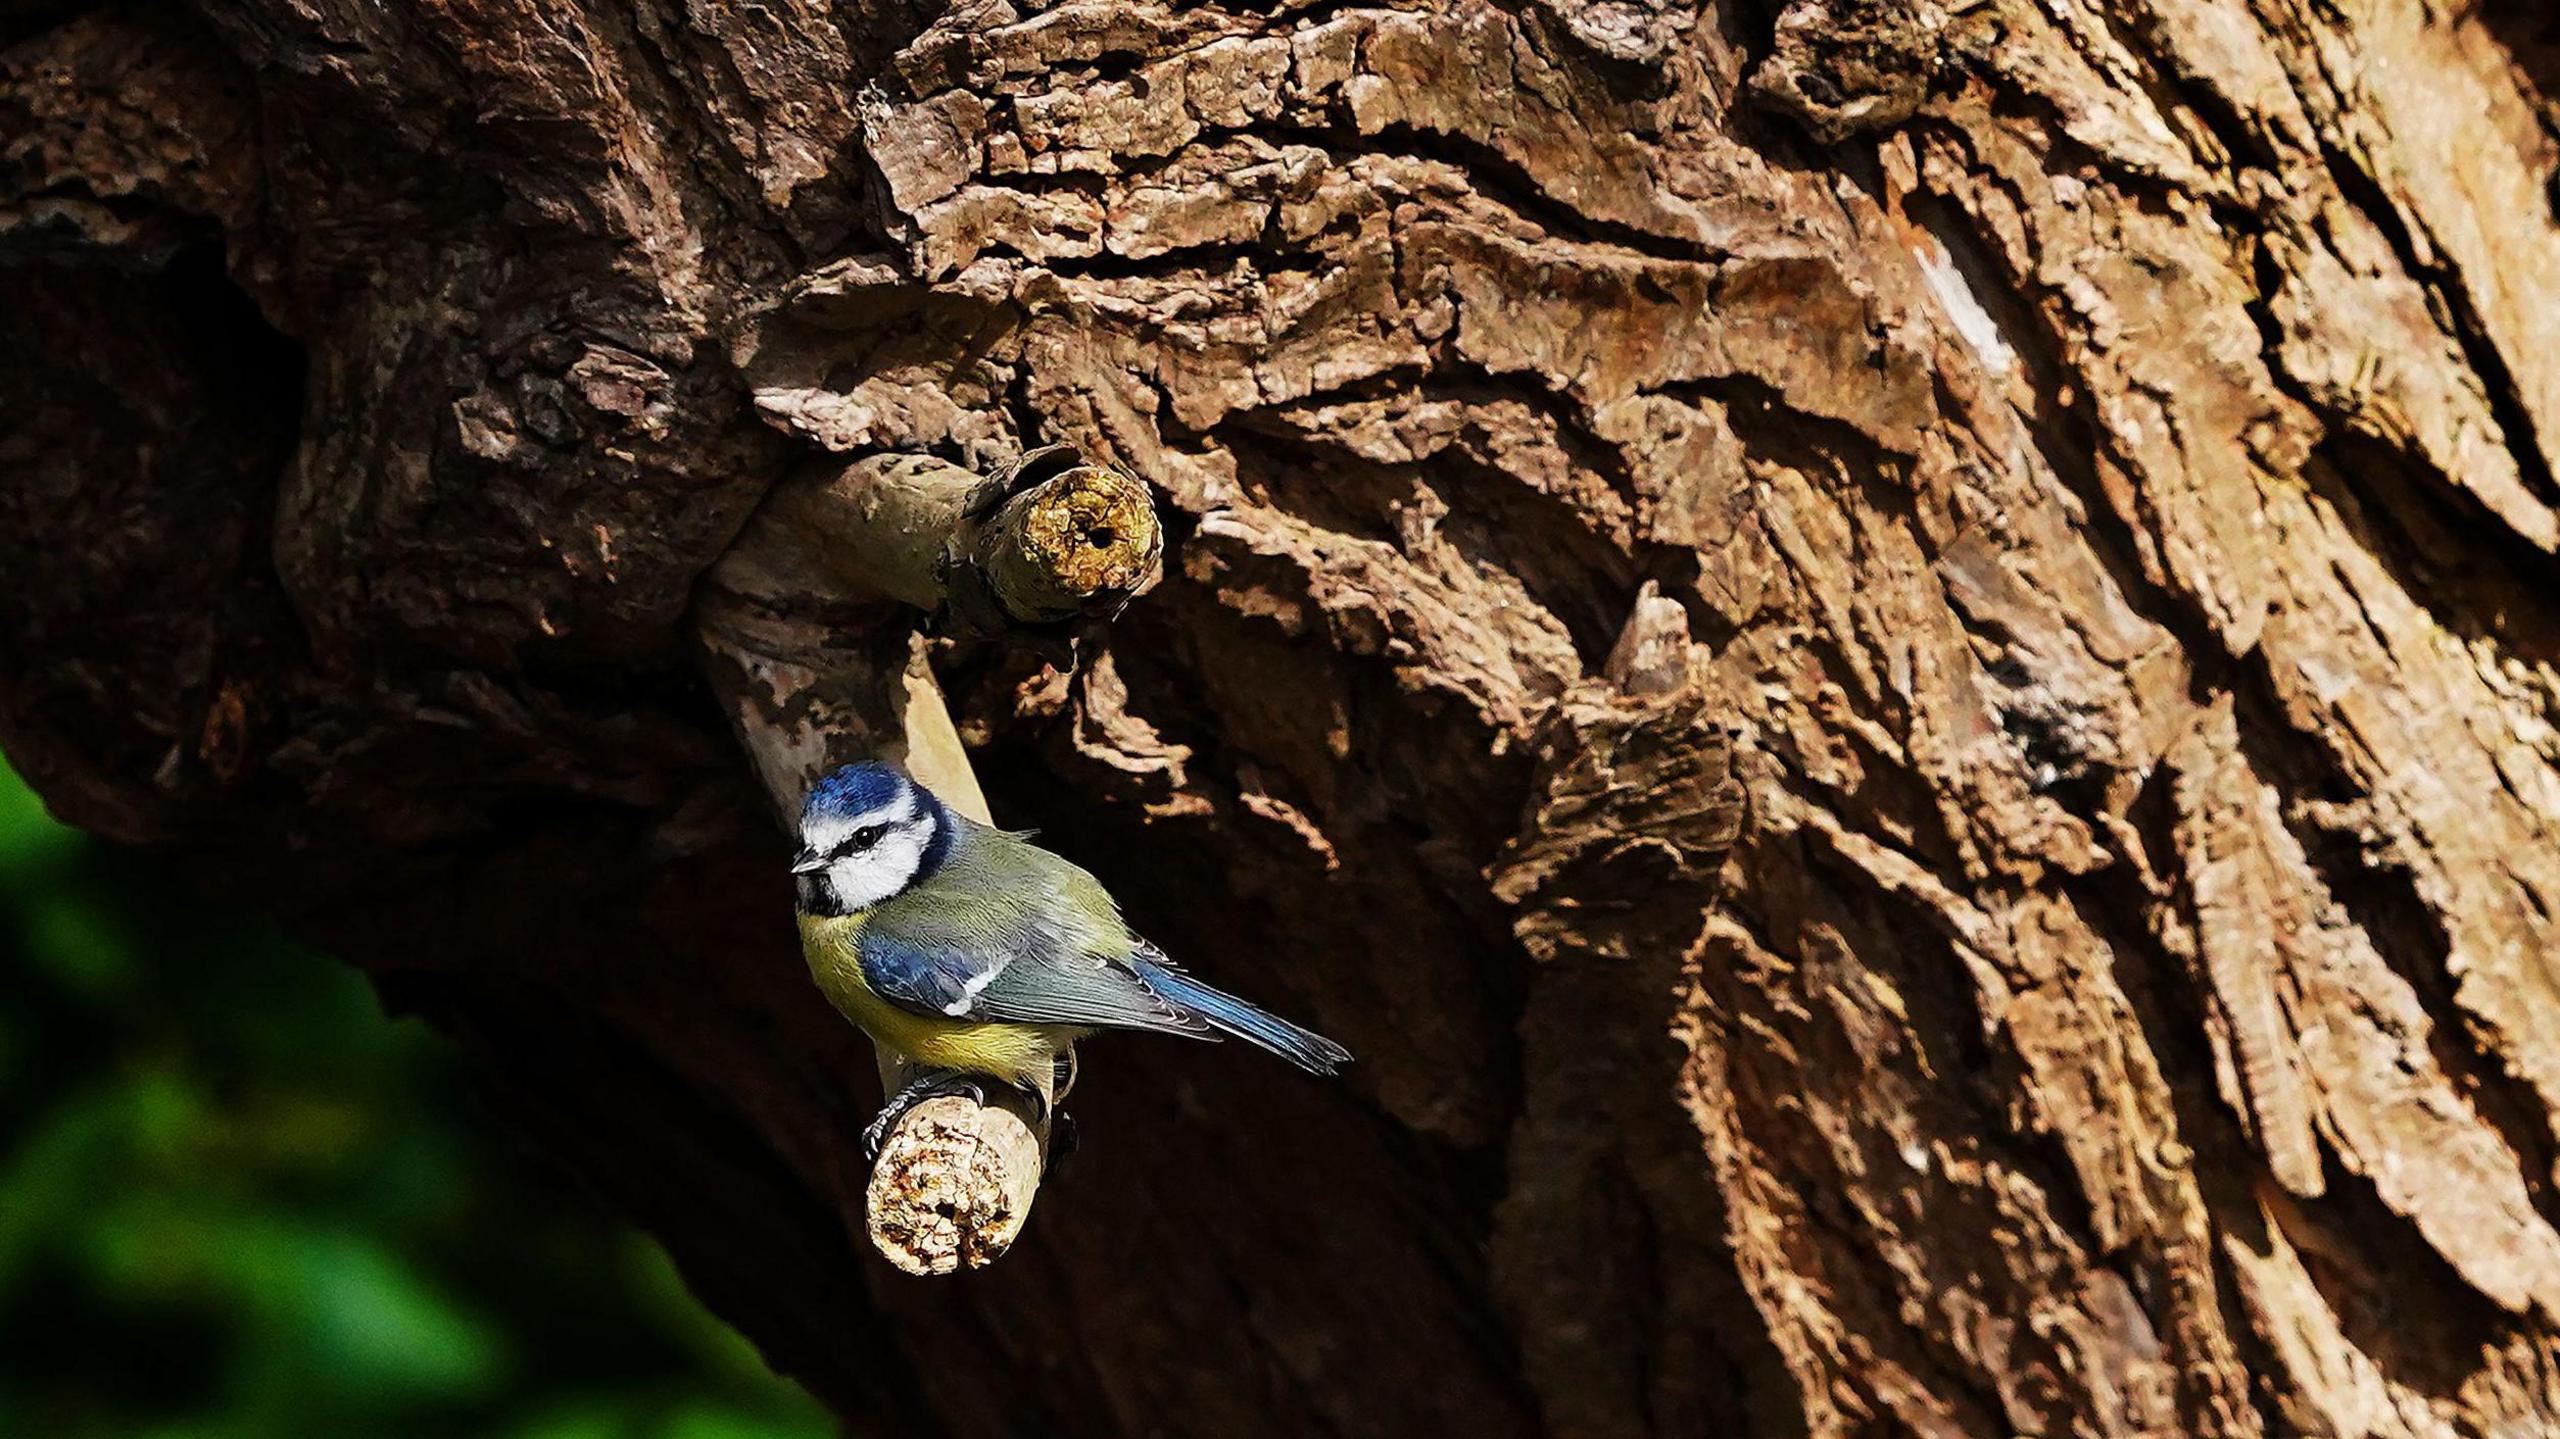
[237, 1202]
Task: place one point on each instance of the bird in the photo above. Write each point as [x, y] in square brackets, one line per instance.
[968, 952]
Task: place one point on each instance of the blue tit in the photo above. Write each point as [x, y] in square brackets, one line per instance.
[964, 949]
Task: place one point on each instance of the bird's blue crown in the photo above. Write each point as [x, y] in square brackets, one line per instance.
[853, 789]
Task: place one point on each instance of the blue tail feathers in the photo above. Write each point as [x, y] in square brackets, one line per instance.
[1304, 1048]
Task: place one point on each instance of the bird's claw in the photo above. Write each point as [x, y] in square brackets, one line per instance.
[1062, 1140]
[935, 1085]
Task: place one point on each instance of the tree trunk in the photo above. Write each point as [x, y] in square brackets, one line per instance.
[2093, 464]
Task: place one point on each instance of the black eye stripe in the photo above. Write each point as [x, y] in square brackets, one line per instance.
[861, 839]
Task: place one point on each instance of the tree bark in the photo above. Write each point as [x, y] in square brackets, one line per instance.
[1893, 666]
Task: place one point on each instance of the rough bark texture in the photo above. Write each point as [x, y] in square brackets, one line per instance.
[2094, 463]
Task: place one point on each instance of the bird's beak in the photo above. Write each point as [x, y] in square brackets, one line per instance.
[808, 861]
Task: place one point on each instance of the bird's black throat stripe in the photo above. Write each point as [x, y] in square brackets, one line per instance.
[818, 896]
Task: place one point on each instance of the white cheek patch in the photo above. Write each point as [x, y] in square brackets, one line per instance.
[866, 878]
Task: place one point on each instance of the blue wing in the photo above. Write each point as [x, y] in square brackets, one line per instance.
[1027, 977]
[1227, 1014]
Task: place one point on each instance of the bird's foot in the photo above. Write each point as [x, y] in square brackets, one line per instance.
[1062, 1140]
[1042, 1106]
[933, 1084]
[938, 1083]
[1045, 1111]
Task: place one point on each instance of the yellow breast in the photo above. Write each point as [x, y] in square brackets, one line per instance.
[1014, 1053]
